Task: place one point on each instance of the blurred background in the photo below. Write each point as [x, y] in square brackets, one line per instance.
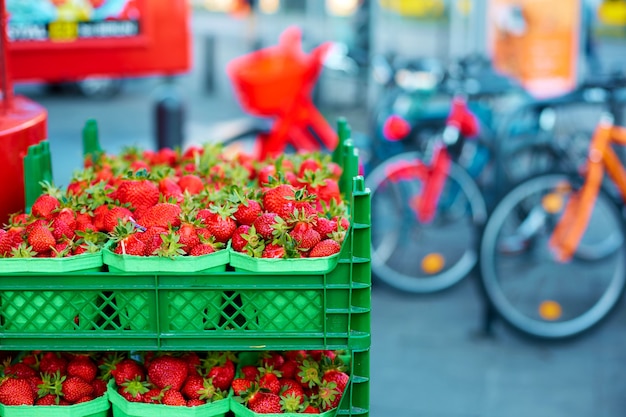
[431, 353]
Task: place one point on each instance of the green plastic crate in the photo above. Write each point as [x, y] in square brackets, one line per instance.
[123, 408]
[84, 262]
[98, 407]
[241, 410]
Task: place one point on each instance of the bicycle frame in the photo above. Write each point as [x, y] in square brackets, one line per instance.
[461, 123]
[572, 225]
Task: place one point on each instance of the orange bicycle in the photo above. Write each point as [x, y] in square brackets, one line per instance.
[552, 255]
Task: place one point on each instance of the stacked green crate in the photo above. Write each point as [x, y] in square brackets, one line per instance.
[214, 310]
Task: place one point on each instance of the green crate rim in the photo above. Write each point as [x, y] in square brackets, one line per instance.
[97, 405]
[244, 262]
[51, 265]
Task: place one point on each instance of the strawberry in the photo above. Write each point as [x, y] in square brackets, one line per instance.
[44, 205]
[170, 189]
[82, 366]
[99, 387]
[168, 371]
[61, 229]
[15, 391]
[274, 360]
[173, 397]
[309, 164]
[305, 236]
[192, 387]
[195, 403]
[131, 245]
[193, 362]
[289, 368]
[51, 363]
[161, 214]
[326, 247]
[221, 370]
[240, 386]
[75, 388]
[310, 409]
[165, 156]
[84, 222]
[325, 227]
[41, 238]
[270, 382]
[329, 395]
[127, 370]
[279, 198]
[188, 237]
[14, 236]
[264, 224]
[66, 215]
[84, 399]
[201, 249]
[249, 372]
[20, 370]
[48, 399]
[238, 241]
[133, 391]
[340, 378]
[275, 251]
[265, 403]
[114, 216]
[291, 403]
[221, 223]
[291, 387]
[248, 212]
[191, 183]
[139, 193]
[308, 374]
[153, 396]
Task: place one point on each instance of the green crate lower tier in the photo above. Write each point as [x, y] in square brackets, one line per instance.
[229, 310]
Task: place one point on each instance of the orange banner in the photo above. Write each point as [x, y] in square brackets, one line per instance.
[537, 42]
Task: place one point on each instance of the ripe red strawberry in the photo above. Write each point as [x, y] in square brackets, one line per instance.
[133, 391]
[20, 370]
[170, 189]
[192, 387]
[310, 409]
[195, 403]
[265, 173]
[173, 397]
[340, 378]
[270, 382]
[223, 373]
[99, 216]
[326, 247]
[154, 396]
[247, 212]
[168, 371]
[84, 222]
[308, 374]
[127, 370]
[61, 249]
[291, 387]
[51, 363]
[309, 164]
[66, 215]
[305, 236]
[84, 399]
[329, 395]
[238, 242]
[138, 193]
[250, 372]
[274, 360]
[161, 214]
[82, 366]
[99, 387]
[48, 399]
[289, 369]
[191, 183]
[241, 386]
[15, 391]
[275, 199]
[41, 238]
[114, 215]
[75, 388]
[326, 191]
[263, 224]
[201, 249]
[188, 237]
[61, 229]
[165, 156]
[325, 227]
[221, 223]
[130, 245]
[274, 251]
[265, 403]
[11, 240]
[44, 205]
[193, 362]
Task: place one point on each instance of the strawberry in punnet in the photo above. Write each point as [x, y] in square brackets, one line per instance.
[168, 371]
[221, 369]
[192, 387]
[329, 396]
[247, 209]
[133, 391]
[274, 360]
[82, 366]
[325, 227]
[127, 240]
[220, 222]
[195, 403]
[240, 386]
[191, 183]
[61, 229]
[289, 368]
[201, 249]
[165, 156]
[310, 409]
[138, 191]
[75, 388]
[113, 216]
[99, 387]
[273, 251]
[291, 387]
[51, 363]
[291, 403]
[84, 222]
[238, 242]
[304, 234]
[265, 403]
[11, 240]
[40, 237]
[309, 164]
[187, 232]
[326, 247]
[165, 245]
[173, 397]
[250, 372]
[161, 214]
[124, 370]
[14, 391]
[47, 203]
[154, 396]
[279, 199]
[19, 370]
[48, 399]
[193, 362]
[308, 374]
[266, 224]
[269, 380]
[170, 189]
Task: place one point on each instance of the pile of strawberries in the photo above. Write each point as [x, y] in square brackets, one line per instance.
[169, 203]
[184, 379]
[51, 378]
[308, 382]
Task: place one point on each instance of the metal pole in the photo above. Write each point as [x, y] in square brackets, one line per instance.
[5, 78]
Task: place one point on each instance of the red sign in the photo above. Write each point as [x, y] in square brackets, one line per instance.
[64, 40]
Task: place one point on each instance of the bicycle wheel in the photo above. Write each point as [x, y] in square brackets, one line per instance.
[423, 258]
[528, 288]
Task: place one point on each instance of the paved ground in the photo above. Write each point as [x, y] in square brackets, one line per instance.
[428, 356]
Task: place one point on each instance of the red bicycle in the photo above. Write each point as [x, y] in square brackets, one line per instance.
[427, 212]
